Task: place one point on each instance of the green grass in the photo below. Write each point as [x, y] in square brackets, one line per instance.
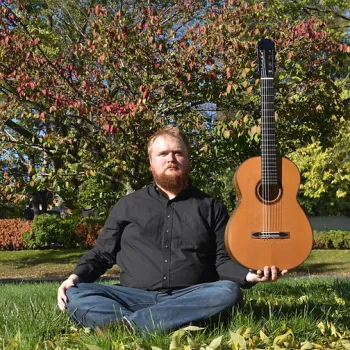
[311, 309]
[326, 262]
[50, 263]
[60, 263]
[298, 309]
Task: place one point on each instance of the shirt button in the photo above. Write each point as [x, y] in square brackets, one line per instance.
[166, 246]
[168, 216]
[164, 278]
[167, 231]
[165, 261]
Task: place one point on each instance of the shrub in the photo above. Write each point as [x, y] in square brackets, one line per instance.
[87, 231]
[11, 233]
[28, 239]
[49, 230]
[331, 239]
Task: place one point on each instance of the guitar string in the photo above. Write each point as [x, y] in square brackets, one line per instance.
[270, 146]
[265, 155]
[270, 209]
[268, 159]
[265, 159]
[270, 154]
[274, 208]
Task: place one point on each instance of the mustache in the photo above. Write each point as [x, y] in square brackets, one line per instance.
[172, 165]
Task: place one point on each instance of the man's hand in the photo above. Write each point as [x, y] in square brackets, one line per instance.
[269, 274]
[62, 299]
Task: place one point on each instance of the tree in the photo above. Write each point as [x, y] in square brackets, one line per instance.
[81, 92]
[326, 173]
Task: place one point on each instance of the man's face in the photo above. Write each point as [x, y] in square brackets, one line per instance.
[169, 162]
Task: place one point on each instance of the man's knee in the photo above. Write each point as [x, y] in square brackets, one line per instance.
[231, 294]
[72, 299]
[82, 290]
[78, 296]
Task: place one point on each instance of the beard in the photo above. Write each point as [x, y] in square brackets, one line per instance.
[174, 182]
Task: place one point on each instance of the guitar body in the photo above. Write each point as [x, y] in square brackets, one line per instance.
[268, 230]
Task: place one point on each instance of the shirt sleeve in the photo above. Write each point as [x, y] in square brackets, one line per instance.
[227, 268]
[103, 255]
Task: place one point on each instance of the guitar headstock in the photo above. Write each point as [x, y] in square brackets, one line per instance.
[266, 58]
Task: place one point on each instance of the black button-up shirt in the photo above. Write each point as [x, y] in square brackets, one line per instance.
[162, 244]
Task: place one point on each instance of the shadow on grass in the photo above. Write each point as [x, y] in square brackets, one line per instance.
[321, 268]
[49, 256]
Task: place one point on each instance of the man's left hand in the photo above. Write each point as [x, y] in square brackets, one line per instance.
[268, 274]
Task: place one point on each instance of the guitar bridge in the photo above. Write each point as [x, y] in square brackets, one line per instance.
[271, 235]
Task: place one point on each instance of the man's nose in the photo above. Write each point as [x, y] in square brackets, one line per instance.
[171, 157]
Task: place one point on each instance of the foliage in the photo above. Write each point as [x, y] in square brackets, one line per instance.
[335, 12]
[332, 239]
[326, 173]
[11, 233]
[10, 210]
[49, 230]
[97, 195]
[84, 85]
[87, 231]
[244, 338]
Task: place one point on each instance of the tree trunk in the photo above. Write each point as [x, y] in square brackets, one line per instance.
[36, 204]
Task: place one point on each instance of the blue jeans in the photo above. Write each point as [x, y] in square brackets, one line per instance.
[99, 305]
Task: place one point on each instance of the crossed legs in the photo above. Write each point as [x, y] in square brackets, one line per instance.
[97, 305]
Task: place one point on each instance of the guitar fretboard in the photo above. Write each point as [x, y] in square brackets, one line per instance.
[268, 139]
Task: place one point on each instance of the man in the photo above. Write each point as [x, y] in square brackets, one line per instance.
[168, 240]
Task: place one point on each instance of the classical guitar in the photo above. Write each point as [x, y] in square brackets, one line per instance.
[268, 227]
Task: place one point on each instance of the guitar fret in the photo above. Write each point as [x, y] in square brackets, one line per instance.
[268, 143]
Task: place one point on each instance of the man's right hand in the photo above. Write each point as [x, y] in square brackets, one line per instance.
[62, 299]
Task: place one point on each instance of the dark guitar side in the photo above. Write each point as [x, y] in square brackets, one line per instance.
[283, 214]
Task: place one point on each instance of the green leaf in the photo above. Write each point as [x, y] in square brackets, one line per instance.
[237, 341]
[175, 343]
[93, 347]
[307, 346]
[283, 338]
[215, 343]
[192, 328]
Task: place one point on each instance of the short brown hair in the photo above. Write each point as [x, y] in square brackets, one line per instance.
[169, 130]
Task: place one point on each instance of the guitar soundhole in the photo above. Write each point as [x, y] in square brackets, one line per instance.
[269, 194]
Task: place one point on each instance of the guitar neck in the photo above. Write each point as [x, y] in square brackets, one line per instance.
[268, 139]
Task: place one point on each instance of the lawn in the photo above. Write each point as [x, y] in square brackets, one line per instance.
[60, 263]
[47, 264]
[306, 311]
[300, 313]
